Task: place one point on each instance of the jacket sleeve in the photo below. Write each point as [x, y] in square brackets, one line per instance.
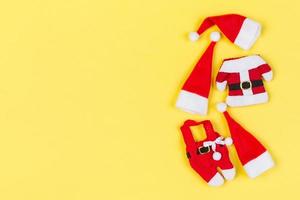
[221, 80]
[266, 71]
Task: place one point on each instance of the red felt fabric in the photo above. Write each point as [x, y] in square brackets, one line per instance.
[204, 164]
[199, 80]
[229, 24]
[246, 145]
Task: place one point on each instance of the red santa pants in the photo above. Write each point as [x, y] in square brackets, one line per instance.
[207, 155]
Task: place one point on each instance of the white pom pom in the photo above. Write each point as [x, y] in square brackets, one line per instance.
[215, 36]
[222, 107]
[228, 141]
[194, 36]
[217, 156]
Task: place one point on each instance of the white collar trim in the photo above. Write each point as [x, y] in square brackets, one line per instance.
[242, 64]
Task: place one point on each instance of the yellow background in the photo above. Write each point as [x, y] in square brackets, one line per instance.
[87, 93]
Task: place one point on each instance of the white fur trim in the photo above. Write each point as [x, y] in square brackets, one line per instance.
[228, 141]
[192, 103]
[236, 101]
[222, 107]
[259, 165]
[229, 174]
[242, 64]
[221, 85]
[215, 36]
[248, 34]
[193, 36]
[217, 180]
[244, 76]
[268, 76]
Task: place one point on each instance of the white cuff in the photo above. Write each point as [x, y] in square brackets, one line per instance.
[221, 85]
[268, 76]
[216, 180]
[229, 174]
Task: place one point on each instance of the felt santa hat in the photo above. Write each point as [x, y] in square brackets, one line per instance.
[253, 155]
[193, 96]
[240, 30]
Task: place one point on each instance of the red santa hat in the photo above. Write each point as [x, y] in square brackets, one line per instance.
[193, 96]
[253, 155]
[240, 30]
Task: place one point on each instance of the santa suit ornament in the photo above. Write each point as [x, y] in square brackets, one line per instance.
[244, 79]
[253, 155]
[205, 156]
[193, 96]
[240, 30]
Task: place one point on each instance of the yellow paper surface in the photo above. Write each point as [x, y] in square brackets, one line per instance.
[87, 93]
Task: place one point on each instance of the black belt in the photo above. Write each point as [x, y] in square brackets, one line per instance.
[246, 85]
[200, 150]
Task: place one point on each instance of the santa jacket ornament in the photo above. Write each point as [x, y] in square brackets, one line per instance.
[244, 79]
